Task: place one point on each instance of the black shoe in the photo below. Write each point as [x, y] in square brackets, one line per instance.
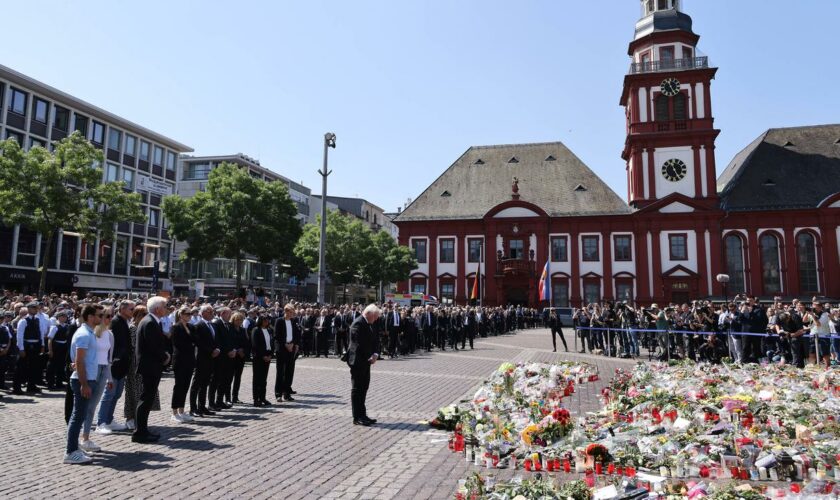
[554, 350]
[259, 404]
[236, 401]
[288, 397]
[226, 406]
[266, 403]
[370, 420]
[292, 392]
[207, 411]
[196, 413]
[17, 392]
[362, 422]
[144, 438]
[154, 435]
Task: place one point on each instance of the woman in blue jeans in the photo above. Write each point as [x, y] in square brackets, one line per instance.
[83, 381]
[103, 353]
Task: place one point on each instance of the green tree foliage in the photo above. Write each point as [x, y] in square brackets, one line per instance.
[235, 216]
[45, 191]
[355, 254]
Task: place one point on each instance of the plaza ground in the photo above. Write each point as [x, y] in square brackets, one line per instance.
[303, 449]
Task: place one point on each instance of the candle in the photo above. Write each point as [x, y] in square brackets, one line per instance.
[631, 472]
[611, 469]
[528, 464]
[762, 473]
[795, 488]
[567, 466]
[579, 466]
[704, 471]
[599, 469]
[663, 471]
[774, 476]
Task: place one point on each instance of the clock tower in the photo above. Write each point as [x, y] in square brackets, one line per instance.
[667, 98]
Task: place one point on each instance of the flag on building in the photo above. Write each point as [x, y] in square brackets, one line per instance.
[474, 294]
[545, 283]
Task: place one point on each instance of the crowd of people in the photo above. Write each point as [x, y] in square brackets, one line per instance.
[744, 330]
[107, 352]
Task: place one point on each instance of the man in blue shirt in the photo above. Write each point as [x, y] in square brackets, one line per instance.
[83, 357]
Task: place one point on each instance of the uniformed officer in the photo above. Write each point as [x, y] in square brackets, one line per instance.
[7, 346]
[57, 351]
[30, 343]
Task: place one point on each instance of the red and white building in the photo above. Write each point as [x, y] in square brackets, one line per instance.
[771, 221]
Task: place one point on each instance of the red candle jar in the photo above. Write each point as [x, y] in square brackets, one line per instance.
[537, 465]
[795, 487]
[589, 479]
[528, 464]
[745, 474]
[599, 469]
[704, 471]
[619, 470]
[557, 465]
[567, 466]
[549, 465]
[631, 472]
[611, 469]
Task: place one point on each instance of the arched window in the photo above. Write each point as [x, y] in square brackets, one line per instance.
[680, 107]
[771, 274]
[735, 263]
[806, 250]
[662, 111]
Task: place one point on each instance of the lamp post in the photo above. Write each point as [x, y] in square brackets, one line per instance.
[723, 279]
[329, 142]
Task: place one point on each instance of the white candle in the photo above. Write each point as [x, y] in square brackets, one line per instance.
[762, 473]
[663, 471]
[774, 476]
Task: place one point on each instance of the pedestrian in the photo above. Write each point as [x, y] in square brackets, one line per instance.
[30, 344]
[151, 359]
[104, 355]
[362, 354]
[83, 380]
[206, 352]
[242, 346]
[57, 342]
[183, 364]
[261, 348]
[287, 337]
[120, 366]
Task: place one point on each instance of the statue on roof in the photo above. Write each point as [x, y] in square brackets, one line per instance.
[515, 186]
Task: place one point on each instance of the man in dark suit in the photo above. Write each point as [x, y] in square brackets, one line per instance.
[469, 329]
[151, 359]
[287, 339]
[207, 351]
[428, 323]
[223, 364]
[394, 326]
[361, 355]
[119, 367]
[261, 349]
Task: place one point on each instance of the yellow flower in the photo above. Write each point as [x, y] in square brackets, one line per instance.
[527, 431]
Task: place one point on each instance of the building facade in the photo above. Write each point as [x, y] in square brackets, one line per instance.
[373, 216]
[36, 114]
[218, 277]
[507, 212]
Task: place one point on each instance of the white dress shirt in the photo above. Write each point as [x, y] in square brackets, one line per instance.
[265, 337]
[289, 337]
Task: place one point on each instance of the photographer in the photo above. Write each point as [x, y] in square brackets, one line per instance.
[817, 320]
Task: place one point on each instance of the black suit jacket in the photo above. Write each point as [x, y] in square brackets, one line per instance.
[183, 346]
[151, 347]
[425, 323]
[205, 343]
[258, 347]
[225, 338]
[122, 347]
[280, 333]
[389, 323]
[364, 342]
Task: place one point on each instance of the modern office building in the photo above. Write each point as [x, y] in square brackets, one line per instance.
[360, 208]
[218, 276]
[36, 114]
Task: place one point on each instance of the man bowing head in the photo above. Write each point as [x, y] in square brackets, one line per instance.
[362, 353]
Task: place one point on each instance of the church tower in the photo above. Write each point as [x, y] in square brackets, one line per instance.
[670, 129]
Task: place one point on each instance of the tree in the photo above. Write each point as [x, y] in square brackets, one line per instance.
[46, 191]
[355, 253]
[235, 216]
[348, 241]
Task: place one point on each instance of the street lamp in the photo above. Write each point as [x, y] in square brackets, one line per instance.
[329, 142]
[723, 279]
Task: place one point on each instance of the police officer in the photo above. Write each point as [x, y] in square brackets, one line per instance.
[7, 346]
[58, 340]
[30, 345]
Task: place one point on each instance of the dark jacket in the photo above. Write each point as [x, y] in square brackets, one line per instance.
[258, 347]
[225, 337]
[122, 347]
[280, 333]
[151, 347]
[183, 346]
[364, 342]
[204, 342]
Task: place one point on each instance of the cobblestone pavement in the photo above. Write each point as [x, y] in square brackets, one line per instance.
[303, 449]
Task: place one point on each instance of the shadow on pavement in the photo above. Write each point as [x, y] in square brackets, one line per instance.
[131, 461]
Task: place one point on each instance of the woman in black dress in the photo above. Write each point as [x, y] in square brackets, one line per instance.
[183, 364]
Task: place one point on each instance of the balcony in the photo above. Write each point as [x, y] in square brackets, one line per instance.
[669, 65]
[671, 126]
[516, 267]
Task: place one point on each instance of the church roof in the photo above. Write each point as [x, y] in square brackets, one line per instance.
[784, 168]
[550, 176]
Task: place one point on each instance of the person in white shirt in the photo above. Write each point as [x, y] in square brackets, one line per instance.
[104, 355]
[817, 319]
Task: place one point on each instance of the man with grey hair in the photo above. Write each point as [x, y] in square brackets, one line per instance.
[361, 355]
[152, 357]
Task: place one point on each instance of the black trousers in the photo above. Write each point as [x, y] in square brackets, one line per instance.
[554, 333]
[393, 342]
[360, 380]
[183, 374]
[799, 349]
[260, 379]
[285, 372]
[322, 342]
[201, 381]
[340, 342]
[5, 362]
[467, 334]
[147, 399]
[238, 366]
[28, 367]
[222, 377]
[55, 367]
[69, 402]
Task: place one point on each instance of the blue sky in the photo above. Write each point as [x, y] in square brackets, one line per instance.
[409, 85]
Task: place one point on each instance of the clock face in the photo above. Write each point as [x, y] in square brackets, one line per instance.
[674, 170]
[670, 87]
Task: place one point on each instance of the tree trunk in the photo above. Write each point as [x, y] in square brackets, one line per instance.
[238, 275]
[42, 286]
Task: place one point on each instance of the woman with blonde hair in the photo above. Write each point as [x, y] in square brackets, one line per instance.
[104, 355]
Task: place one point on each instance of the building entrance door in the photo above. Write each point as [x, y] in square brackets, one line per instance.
[516, 296]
